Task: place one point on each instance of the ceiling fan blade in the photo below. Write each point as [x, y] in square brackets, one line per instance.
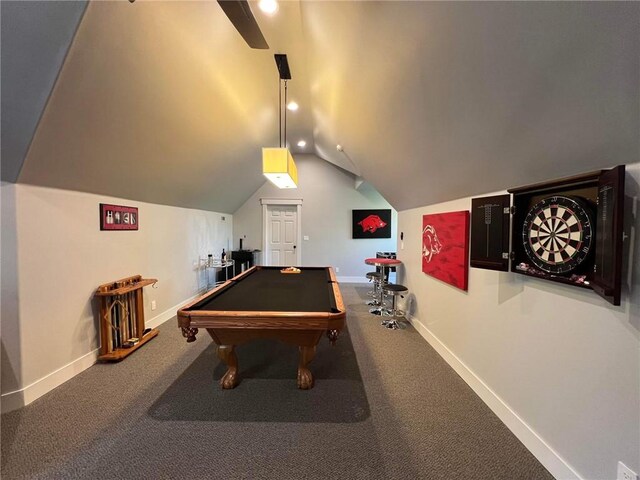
[240, 15]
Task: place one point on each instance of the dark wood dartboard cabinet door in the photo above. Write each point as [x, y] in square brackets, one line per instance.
[490, 217]
[607, 269]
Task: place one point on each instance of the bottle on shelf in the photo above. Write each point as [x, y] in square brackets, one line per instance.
[223, 258]
[210, 260]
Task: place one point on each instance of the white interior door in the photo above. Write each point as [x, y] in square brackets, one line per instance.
[282, 233]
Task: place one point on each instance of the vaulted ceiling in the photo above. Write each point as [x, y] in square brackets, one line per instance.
[165, 102]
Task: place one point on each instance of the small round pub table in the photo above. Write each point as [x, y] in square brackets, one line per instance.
[384, 264]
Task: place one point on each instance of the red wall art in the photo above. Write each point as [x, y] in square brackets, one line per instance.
[445, 247]
[118, 217]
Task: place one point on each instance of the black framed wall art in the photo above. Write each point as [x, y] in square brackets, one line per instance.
[371, 224]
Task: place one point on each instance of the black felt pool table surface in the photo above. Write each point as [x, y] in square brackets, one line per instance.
[268, 289]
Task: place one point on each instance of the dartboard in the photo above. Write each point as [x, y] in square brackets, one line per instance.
[556, 234]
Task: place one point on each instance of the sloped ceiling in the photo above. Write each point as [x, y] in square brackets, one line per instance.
[164, 102]
[441, 100]
[35, 37]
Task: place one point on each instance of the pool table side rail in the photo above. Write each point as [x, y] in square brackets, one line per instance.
[332, 275]
[215, 291]
[337, 295]
[265, 319]
[288, 322]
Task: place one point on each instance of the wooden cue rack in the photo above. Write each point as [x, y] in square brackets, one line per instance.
[122, 317]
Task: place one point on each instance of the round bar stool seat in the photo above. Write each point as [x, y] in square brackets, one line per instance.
[395, 290]
[373, 276]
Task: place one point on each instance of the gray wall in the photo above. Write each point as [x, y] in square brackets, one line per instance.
[558, 364]
[329, 195]
[53, 258]
[11, 375]
[35, 40]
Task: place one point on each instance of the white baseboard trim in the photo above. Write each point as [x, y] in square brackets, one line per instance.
[19, 398]
[168, 314]
[361, 279]
[545, 454]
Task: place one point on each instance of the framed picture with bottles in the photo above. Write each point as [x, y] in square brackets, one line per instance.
[118, 217]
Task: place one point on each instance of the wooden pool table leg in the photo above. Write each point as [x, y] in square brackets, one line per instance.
[228, 356]
[305, 378]
[332, 335]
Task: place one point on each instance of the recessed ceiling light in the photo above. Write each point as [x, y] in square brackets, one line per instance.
[268, 6]
[302, 143]
[293, 106]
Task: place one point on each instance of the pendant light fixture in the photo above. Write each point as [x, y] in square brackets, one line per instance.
[277, 163]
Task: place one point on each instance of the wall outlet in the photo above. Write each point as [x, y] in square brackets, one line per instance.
[625, 473]
[306, 237]
[337, 269]
[153, 304]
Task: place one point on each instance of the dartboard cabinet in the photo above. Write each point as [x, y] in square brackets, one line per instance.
[568, 231]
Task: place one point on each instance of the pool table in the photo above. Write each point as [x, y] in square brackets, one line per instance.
[265, 302]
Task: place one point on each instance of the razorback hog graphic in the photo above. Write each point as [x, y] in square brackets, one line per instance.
[430, 243]
[372, 223]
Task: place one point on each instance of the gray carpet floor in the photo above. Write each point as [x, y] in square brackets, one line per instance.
[385, 406]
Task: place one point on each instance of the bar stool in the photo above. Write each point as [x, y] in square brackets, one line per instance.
[396, 291]
[384, 264]
[376, 278]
